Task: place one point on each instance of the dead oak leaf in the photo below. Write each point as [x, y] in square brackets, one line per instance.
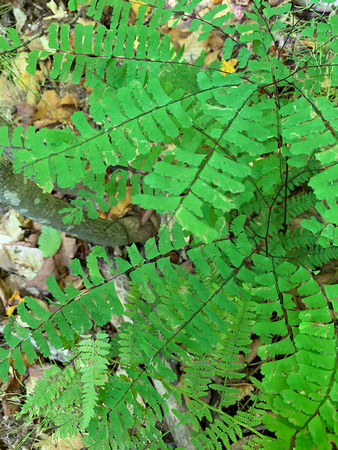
[53, 109]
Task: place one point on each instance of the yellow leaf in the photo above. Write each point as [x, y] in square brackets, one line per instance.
[136, 4]
[15, 300]
[229, 66]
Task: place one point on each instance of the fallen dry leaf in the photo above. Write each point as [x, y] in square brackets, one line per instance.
[14, 302]
[211, 57]
[58, 11]
[122, 207]
[178, 37]
[53, 109]
[25, 113]
[11, 225]
[38, 284]
[193, 47]
[5, 293]
[25, 261]
[11, 393]
[20, 19]
[66, 252]
[136, 6]
[60, 444]
[35, 373]
[246, 389]
[28, 83]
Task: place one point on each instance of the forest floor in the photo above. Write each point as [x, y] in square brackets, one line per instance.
[39, 101]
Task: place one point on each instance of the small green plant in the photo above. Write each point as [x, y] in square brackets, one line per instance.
[250, 175]
[49, 241]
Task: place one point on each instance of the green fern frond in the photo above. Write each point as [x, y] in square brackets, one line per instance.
[224, 156]
[11, 40]
[94, 370]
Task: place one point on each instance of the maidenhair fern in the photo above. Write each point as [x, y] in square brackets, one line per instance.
[245, 164]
